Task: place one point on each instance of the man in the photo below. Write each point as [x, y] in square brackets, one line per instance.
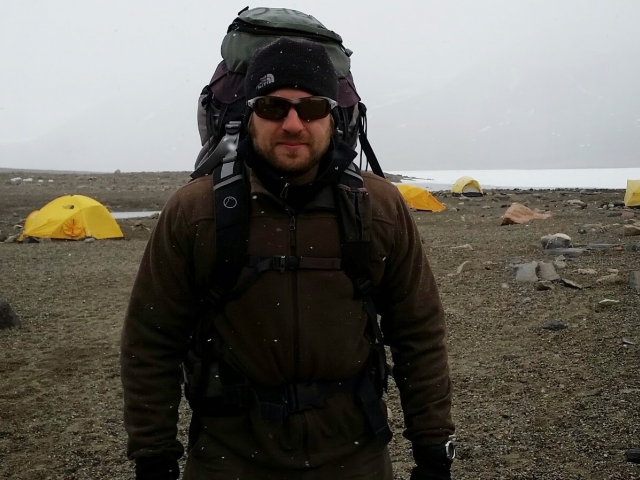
[288, 389]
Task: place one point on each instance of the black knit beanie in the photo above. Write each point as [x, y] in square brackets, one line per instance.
[289, 63]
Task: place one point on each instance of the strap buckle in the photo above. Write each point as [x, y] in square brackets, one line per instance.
[301, 396]
[285, 262]
[280, 263]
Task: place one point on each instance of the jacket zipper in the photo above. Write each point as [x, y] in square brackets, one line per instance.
[296, 330]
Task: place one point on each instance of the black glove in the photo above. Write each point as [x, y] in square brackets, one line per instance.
[425, 472]
[157, 468]
[432, 462]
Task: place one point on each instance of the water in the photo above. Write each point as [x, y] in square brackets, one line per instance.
[124, 215]
[561, 178]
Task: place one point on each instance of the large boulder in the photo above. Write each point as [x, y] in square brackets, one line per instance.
[8, 318]
[518, 213]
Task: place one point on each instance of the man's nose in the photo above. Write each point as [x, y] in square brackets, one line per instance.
[292, 122]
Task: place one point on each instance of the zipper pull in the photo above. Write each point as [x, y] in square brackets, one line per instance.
[292, 223]
[285, 190]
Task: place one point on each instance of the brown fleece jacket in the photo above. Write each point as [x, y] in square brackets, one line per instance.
[289, 327]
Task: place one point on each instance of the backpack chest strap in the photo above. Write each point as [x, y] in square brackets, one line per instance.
[283, 263]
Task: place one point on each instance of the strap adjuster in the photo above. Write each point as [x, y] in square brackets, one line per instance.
[280, 263]
[285, 262]
[299, 397]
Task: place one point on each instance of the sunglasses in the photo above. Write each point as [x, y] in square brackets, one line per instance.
[277, 108]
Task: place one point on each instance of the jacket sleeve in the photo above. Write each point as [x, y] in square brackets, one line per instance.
[155, 337]
[412, 320]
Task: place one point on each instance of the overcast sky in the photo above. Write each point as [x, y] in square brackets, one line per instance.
[77, 76]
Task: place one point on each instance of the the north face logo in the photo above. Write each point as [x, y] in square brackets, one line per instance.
[266, 80]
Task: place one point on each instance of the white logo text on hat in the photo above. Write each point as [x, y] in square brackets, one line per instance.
[264, 81]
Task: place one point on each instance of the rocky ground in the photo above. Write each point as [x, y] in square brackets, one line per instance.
[546, 377]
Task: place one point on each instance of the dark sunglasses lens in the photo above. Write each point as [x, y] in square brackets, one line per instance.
[313, 108]
[276, 108]
[271, 108]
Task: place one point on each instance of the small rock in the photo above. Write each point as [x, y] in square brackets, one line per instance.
[576, 203]
[630, 230]
[571, 284]
[633, 247]
[559, 240]
[154, 216]
[546, 271]
[627, 341]
[11, 239]
[628, 214]
[554, 325]
[613, 279]
[459, 269]
[590, 393]
[607, 302]
[8, 318]
[504, 285]
[614, 214]
[592, 226]
[559, 262]
[544, 285]
[89, 240]
[526, 272]
[586, 271]
[613, 270]
[466, 246]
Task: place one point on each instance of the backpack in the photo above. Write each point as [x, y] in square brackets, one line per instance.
[222, 102]
[210, 384]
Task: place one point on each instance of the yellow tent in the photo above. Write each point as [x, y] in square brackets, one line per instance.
[72, 217]
[467, 186]
[420, 199]
[632, 197]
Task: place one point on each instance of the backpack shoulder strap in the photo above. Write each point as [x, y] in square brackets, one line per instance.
[212, 154]
[355, 217]
[232, 212]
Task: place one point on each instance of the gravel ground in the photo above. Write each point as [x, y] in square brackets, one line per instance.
[529, 403]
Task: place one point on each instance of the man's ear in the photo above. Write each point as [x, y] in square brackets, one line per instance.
[335, 119]
[246, 119]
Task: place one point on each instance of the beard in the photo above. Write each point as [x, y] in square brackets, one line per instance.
[292, 161]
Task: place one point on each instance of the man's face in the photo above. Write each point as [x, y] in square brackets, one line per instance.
[291, 145]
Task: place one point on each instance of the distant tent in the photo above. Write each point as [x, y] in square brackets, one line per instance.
[420, 199]
[72, 217]
[632, 197]
[467, 186]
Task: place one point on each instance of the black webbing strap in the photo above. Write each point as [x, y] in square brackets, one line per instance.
[225, 149]
[232, 210]
[278, 402]
[292, 262]
[370, 400]
[372, 160]
[354, 214]
[356, 223]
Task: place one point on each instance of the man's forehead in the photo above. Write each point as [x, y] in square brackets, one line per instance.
[290, 93]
